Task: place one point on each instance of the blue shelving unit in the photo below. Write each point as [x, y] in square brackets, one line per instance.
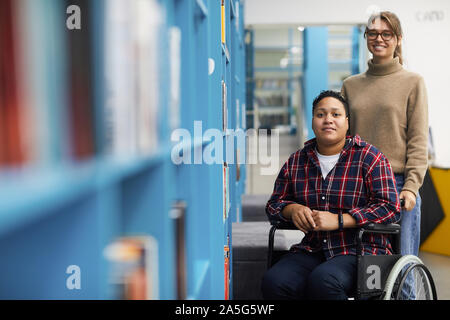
[67, 213]
[315, 69]
[317, 66]
[260, 69]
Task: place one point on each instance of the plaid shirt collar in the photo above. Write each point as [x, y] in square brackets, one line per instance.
[350, 141]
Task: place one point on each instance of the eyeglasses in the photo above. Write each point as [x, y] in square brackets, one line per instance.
[386, 35]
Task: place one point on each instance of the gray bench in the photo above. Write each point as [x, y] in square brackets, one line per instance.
[253, 207]
[249, 249]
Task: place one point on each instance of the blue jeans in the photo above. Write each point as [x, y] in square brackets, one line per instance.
[410, 235]
[305, 275]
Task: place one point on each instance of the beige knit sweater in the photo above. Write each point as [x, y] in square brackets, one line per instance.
[389, 109]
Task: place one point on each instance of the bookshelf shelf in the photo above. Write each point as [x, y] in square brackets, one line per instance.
[41, 194]
[27, 196]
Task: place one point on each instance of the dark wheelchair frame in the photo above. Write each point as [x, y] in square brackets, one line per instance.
[390, 280]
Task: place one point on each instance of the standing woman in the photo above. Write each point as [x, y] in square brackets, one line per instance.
[389, 109]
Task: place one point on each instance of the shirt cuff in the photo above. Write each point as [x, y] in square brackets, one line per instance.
[279, 207]
[410, 186]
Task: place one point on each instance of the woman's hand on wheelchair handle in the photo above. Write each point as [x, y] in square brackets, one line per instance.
[409, 198]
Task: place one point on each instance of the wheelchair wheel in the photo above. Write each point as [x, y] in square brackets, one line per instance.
[410, 279]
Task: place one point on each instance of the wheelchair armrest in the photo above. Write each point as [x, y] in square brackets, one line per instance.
[285, 225]
[392, 228]
[277, 224]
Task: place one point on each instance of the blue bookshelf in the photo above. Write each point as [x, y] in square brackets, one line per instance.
[64, 211]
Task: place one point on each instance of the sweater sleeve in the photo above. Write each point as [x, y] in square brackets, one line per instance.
[416, 138]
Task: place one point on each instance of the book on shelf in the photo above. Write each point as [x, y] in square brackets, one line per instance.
[226, 253]
[178, 213]
[32, 79]
[134, 267]
[238, 164]
[48, 111]
[224, 107]
[132, 71]
[225, 190]
[11, 139]
[175, 76]
[223, 21]
[148, 19]
[50, 76]
[80, 68]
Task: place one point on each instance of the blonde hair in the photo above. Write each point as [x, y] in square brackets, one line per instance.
[394, 22]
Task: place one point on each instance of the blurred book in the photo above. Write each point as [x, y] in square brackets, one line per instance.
[132, 72]
[48, 110]
[134, 267]
[225, 190]
[178, 213]
[11, 139]
[46, 83]
[147, 28]
[37, 75]
[175, 76]
[226, 253]
[80, 66]
[224, 107]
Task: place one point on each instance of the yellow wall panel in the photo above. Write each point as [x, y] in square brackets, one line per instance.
[439, 239]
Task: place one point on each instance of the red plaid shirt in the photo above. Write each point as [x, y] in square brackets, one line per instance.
[361, 184]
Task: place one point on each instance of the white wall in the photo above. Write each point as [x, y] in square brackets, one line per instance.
[426, 26]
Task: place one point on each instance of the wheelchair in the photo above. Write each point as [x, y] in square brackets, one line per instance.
[380, 277]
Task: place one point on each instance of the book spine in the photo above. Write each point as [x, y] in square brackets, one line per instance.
[12, 152]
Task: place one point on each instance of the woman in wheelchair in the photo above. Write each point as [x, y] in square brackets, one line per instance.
[328, 189]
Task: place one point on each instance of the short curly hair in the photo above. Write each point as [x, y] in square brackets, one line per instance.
[332, 94]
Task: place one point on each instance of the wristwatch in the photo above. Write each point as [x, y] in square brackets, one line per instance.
[341, 221]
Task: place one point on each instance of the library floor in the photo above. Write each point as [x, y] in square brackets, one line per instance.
[257, 183]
